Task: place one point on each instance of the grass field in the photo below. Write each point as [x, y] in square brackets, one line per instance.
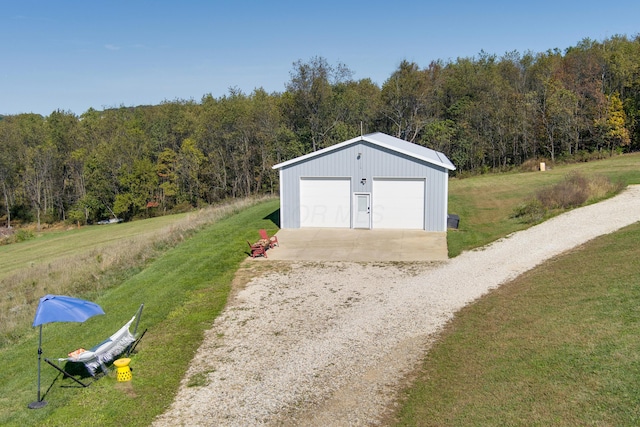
[185, 281]
[559, 346]
[183, 291]
[485, 203]
[87, 261]
[73, 242]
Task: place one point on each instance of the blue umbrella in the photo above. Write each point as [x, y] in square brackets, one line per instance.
[60, 308]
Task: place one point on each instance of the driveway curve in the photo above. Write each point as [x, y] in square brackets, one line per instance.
[328, 343]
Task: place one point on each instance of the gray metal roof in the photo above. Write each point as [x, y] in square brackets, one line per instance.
[387, 141]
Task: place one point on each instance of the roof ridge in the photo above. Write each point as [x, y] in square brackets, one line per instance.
[387, 141]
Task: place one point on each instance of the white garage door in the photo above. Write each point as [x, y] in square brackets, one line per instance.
[325, 202]
[398, 203]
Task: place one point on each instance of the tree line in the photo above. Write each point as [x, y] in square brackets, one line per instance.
[485, 113]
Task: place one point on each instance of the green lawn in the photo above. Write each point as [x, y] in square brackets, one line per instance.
[486, 203]
[559, 346]
[183, 291]
[75, 242]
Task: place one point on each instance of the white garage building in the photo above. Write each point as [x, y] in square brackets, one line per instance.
[372, 181]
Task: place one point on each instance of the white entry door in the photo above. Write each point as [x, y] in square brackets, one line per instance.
[362, 211]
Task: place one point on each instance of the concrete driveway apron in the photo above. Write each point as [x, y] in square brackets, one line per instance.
[354, 245]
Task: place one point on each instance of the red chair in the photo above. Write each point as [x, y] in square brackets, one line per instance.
[273, 240]
[257, 250]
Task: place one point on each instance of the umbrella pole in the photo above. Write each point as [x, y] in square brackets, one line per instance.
[38, 403]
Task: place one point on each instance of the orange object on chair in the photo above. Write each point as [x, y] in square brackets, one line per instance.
[257, 249]
[273, 240]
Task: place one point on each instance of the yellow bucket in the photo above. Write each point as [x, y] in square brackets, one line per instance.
[124, 372]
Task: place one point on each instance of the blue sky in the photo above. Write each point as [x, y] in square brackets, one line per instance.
[73, 55]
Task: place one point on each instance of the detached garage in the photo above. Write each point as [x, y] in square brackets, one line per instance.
[372, 181]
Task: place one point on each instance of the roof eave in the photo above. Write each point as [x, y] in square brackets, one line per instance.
[316, 153]
[410, 154]
[367, 138]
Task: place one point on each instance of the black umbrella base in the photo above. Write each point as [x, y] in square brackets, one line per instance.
[37, 404]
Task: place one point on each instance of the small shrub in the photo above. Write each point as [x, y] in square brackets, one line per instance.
[600, 187]
[530, 212]
[181, 208]
[6, 235]
[76, 216]
[24, 235]
[570, 193]
[583, 156]
[574, 191]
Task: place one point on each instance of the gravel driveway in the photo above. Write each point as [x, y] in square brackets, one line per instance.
[328, 344]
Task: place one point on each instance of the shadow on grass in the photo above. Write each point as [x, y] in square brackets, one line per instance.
[274, 217]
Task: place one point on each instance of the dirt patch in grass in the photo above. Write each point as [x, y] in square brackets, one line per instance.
[252, 268]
